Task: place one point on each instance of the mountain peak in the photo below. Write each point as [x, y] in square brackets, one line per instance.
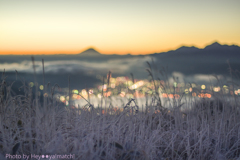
[187, 49]
[214, 45]
[90, 52]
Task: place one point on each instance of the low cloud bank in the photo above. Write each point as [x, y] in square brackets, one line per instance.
[120, 66]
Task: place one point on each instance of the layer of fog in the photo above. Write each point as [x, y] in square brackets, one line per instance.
[116, 66]
[119, 67]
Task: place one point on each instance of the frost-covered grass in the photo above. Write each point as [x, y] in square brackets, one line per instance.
[210, 130]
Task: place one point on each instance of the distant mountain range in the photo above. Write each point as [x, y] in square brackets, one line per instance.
[188, 61]
[214, 47]
[213, 59]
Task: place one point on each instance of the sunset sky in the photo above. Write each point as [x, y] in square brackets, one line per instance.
[121, 27]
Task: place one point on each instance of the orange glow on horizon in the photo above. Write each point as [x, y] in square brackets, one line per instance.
[77, 52]
[35, 52]
[108, 51]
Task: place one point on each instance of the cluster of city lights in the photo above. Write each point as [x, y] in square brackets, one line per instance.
[123, 87]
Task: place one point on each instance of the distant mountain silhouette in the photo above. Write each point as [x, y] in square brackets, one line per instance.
[213, 59]
[216, 47]
[90, 52]
[213, 46]
[187, 49]
[213, 49]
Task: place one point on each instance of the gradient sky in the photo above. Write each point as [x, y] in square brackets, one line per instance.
[125, 26]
